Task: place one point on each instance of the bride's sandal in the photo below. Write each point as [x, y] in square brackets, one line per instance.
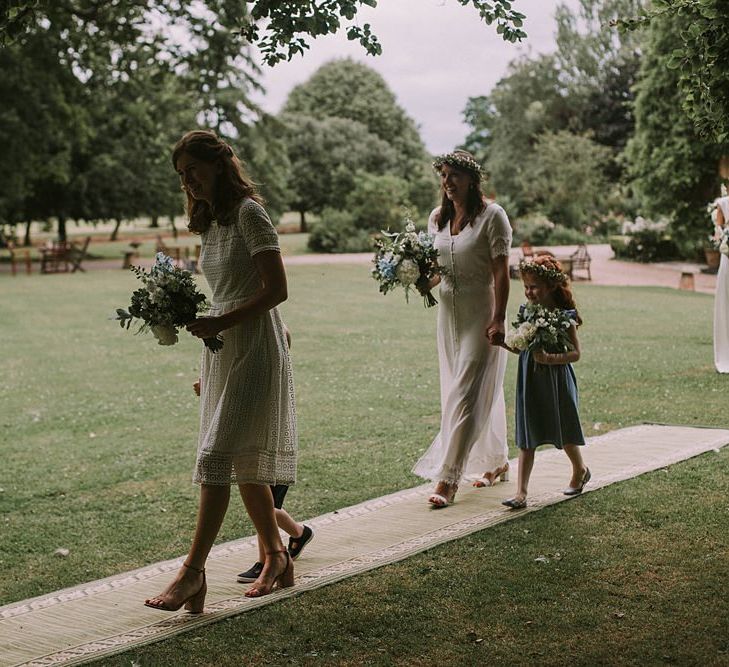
[284, 579]
[489, 478]
[193, 603]
[439, 500]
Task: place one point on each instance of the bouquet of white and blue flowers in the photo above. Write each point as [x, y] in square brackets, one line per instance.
[405, 259]
[168, 301]
[539, 328]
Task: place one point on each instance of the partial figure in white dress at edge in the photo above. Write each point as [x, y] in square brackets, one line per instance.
[473, 238]
[721, 299]
[248, 436]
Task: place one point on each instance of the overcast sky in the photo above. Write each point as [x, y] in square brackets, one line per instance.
[436, 54]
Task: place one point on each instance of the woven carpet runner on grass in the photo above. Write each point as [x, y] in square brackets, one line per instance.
[104, 617]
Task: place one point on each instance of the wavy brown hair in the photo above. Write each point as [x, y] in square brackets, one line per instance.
[231, 186]
[563, 296]
[475, 201]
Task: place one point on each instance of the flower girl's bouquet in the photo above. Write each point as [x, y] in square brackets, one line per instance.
[167, 302]
[405, 259]
[540, 328]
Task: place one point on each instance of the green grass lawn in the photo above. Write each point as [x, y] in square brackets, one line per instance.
[98, 434]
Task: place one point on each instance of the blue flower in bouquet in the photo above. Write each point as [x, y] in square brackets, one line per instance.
[406, 259]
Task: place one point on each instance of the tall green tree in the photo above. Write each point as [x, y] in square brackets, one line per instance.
[675, 171]
[326, 155]
[345, 89]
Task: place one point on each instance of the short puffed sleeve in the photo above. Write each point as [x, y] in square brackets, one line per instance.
[257, 229]
[433, 221]
[499, 232]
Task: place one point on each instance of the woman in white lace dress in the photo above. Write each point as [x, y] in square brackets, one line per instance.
[248, 433]
[473, 238]
[721, 300]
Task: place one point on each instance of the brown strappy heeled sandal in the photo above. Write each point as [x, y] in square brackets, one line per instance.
[284, 579]
[194, 603]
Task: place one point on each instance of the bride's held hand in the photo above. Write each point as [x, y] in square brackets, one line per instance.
[495, 332]
[206, 327]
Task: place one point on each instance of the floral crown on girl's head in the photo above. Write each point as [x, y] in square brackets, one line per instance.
[460, 161]
[548, 273]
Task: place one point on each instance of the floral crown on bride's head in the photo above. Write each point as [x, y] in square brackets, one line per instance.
[550, 274]
[460, 160]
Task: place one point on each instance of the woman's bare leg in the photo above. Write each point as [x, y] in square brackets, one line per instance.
[213, 505]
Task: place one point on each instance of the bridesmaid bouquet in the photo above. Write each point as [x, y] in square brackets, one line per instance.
[540, 328]
[405, 259]
[167, 302]
[720, 239]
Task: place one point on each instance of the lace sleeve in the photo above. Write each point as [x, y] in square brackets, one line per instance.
[258, 231]
[499, 233]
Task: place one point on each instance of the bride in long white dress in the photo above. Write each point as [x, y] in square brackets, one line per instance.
[473, 238]
[721, 300]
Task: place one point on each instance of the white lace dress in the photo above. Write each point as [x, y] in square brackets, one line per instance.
[247, 412]
[721, 304]
[472, 437]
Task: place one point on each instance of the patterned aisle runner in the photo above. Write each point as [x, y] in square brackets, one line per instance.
[104, 617]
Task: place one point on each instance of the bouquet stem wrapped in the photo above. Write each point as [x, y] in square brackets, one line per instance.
[406, 259]
[167, 302]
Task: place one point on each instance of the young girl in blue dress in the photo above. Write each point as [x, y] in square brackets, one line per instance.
[546, 390]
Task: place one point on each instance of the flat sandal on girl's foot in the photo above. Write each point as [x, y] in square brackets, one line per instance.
[297, 544]
[251, 574]
[576, 490]
[284, 579]
[194, 603]
[439, 500]
[515, 503]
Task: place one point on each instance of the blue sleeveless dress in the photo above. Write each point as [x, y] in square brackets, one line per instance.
[546, 404]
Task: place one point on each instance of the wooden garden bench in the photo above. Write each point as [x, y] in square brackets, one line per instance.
[54, 257]
[580, 261]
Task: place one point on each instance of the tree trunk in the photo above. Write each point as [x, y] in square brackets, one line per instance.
[62, 228]
[174, 229]
[155, 222]
[115, 233]
[302, 224]
[26, 238]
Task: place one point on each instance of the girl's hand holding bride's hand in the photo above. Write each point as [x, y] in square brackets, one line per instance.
[495, 332]
[206, 327]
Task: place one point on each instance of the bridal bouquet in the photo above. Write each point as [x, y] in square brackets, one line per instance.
[405, 259]
[720, 239]
[167, 302]
[540, 328]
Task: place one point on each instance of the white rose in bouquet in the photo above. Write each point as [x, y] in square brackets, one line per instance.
[165, 335]
[407, 272]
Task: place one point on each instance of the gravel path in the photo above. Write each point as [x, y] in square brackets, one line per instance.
[605, 270]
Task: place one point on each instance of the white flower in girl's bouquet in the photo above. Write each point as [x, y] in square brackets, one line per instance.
[720, 237]
[404, 259]
[539, 328]
[167, 302]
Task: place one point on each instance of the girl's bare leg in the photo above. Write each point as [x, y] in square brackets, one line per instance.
[526, 463]
[578, 465]
[287, 523]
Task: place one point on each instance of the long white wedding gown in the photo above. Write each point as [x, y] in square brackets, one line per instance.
[472, 437]
[721, 304]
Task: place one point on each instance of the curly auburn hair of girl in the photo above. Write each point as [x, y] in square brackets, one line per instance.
[549, 271]
[231, 186]
[475, 200]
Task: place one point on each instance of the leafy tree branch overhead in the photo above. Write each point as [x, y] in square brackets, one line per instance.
[279, 28]
[700, 54]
